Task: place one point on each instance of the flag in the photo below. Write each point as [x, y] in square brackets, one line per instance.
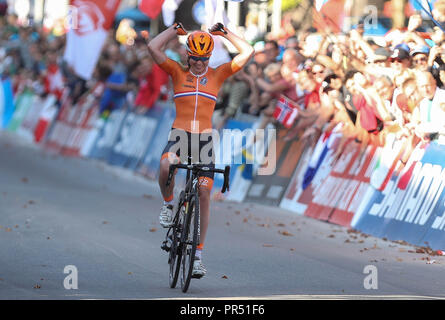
[89, 25]
[169, 8]
[285, 112]
[151, 8]
[214, 13]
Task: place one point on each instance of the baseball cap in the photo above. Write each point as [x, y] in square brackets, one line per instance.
[400, 53]
[420, 49]
[403, 46]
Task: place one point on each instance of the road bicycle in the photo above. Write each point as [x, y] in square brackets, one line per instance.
[182, 237]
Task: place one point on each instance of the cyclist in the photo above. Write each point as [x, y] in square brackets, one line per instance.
[195, 88]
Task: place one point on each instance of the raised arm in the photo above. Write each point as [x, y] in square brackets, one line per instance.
[244, 48]
[156, 45]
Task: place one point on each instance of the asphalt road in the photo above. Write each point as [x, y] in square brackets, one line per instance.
[57, 212]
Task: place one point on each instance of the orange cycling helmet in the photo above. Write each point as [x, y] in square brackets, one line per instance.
[199, 43]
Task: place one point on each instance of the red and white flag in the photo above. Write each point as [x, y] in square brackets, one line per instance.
[88, 30]
[151, 8]
[285, 112]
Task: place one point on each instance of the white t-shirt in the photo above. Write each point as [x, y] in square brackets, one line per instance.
[432, 116]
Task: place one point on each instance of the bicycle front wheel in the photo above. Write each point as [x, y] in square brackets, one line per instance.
[190, 241]
[175, 254]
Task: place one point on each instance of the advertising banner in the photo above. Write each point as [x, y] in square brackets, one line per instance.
[149, 166]
[411, 207]
[108, 135]
[6, 102]
[269, 188]
[23, 104]
[132, 141]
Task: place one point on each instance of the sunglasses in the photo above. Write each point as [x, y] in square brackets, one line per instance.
[317, 72]
[423, 59]
[203, 59]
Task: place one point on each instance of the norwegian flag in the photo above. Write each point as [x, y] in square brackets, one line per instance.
[286, 112]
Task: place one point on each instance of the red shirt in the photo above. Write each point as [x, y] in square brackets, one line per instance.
[150, 87]
[368, 117]
[313, 97]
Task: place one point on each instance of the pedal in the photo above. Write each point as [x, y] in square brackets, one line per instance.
[165, 246]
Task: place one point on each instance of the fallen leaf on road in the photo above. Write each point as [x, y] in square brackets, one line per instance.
[399, 259]
[25, 180]
[267, 245]
[130, 273]
[224, 277]
[31, 202]
[285, 233]
[292, 249]
[152, 229]
[245, 220]
[48, 238]
[331, 236]
[105, 222]
[280, 225]
[347, 241]
[148, 196]
[37, 286]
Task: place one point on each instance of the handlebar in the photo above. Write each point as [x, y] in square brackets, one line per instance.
[200, 167]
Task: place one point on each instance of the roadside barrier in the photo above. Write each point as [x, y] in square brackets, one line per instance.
[369, 190]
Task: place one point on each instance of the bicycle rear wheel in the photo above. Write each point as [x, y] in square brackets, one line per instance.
[175, 254]
[190, 241]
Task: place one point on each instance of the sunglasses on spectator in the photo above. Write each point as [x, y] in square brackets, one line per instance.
[424, 59]
[203, 59]
[317, 72]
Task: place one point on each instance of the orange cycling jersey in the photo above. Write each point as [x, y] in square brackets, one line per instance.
[195, 96]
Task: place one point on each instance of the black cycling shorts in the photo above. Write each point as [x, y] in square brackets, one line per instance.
[182, 144]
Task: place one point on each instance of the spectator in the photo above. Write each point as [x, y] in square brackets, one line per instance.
[420, 58]
[272, 51]
[151, 79]
[430, 114]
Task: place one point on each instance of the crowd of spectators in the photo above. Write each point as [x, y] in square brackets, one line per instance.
[372, 90]
[366, 88]
[33, 58]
